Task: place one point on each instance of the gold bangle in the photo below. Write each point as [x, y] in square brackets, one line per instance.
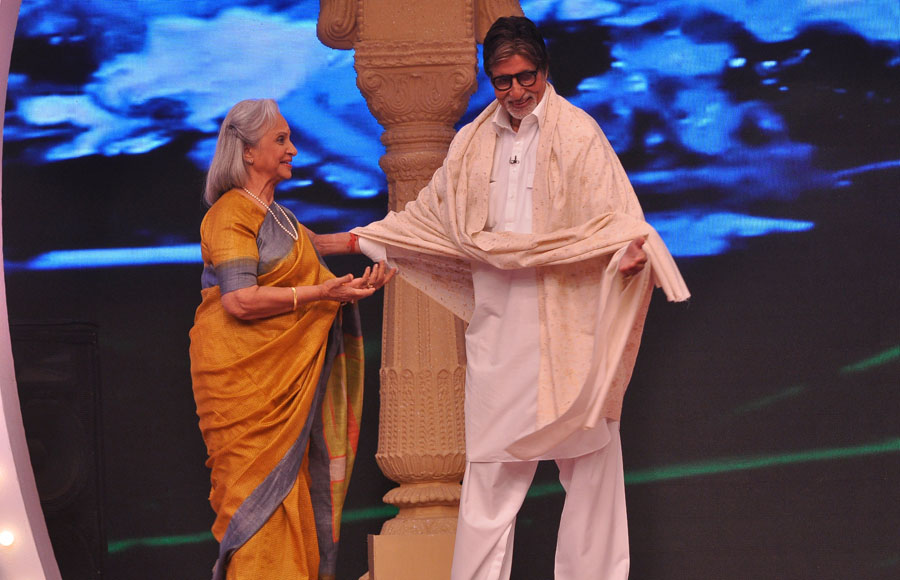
[294, 294]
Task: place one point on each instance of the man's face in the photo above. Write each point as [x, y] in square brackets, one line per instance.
[519, 101]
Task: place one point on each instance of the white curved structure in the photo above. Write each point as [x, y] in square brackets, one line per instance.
[29, 556]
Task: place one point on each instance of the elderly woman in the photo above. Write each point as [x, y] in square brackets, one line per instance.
[276, 361]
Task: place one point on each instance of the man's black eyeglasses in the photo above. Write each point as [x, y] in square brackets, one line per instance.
[526, 78]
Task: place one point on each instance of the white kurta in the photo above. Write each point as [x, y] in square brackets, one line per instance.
[503, 337]
[584, 212]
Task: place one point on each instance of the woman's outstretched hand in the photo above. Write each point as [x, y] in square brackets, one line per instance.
[350, 289]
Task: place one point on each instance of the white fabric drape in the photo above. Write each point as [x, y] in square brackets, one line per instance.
[584, 210]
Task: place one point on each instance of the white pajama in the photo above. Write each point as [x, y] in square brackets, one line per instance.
[502, 346]
[593, 530]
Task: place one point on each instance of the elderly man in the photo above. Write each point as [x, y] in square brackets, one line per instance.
[531, 232]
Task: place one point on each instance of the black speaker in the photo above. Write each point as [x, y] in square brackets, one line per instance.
[57, 371]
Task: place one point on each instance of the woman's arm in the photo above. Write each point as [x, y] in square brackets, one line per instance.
[254, 302]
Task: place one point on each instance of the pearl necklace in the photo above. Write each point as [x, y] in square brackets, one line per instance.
[293, 231]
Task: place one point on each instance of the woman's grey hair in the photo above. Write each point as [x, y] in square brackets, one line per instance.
[245, 124]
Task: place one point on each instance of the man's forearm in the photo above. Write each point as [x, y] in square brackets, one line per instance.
[331, 244]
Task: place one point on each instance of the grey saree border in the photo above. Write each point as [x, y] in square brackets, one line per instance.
[320, 465]
[256, 509]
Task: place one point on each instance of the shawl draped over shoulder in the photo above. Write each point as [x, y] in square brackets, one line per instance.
[584, 211]
[279, 400]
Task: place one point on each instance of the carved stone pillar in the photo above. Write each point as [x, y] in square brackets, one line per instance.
[416, 64]
[417, 90]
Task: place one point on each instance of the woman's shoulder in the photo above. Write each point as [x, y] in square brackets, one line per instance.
[232, 207]
[233, 198]
[234, 201]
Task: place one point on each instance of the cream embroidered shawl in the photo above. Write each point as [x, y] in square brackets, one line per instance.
[585, 210]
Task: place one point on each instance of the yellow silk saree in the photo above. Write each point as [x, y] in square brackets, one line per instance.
[279, 401]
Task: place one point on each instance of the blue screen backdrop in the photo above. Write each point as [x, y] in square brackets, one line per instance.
[697, 97]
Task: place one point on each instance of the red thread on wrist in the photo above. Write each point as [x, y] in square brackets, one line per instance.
[353, 244]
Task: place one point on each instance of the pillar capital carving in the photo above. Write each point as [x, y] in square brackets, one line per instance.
[488, 11]
[410, 53]
[408, 82]
[336, 26]
[339, 21]
[408, 166]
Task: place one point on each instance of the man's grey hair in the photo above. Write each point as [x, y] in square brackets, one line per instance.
[511, 35]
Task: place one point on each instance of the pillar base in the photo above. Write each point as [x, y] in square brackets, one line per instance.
[410, 557]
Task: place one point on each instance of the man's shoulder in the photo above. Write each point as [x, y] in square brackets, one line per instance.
[482, 122]
[482, 119]
[574, 118]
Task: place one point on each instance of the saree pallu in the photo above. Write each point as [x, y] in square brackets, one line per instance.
[279, 401]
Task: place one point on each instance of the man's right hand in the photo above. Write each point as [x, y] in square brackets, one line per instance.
[634, 259]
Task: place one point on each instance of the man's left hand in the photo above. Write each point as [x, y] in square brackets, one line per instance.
[634, 259]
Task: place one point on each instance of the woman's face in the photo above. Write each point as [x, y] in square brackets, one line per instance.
[272, 156]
